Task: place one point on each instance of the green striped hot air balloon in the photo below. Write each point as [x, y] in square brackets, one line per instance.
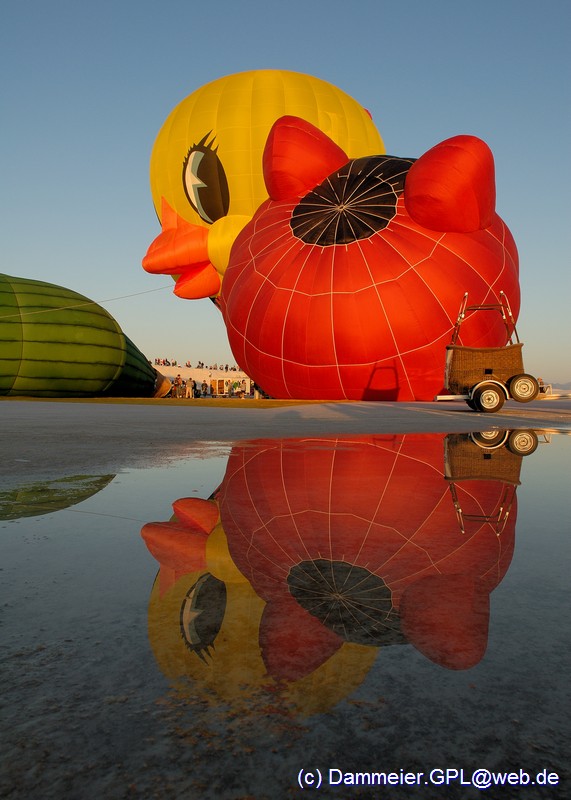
[35, 499]
[57, 343]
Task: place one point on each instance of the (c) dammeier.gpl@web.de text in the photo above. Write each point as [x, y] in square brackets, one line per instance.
[439, 776]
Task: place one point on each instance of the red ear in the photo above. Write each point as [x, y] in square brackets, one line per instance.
[293, 642]
[297, 157]
[446, 618]
[452, 186]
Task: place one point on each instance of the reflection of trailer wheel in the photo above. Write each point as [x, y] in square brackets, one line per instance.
[489, 439]
[523, 388]
[522, 443]
[488, 398]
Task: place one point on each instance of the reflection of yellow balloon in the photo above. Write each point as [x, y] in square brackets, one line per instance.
[232, 669]
[219, 559]
[234, 666]
[206, 164]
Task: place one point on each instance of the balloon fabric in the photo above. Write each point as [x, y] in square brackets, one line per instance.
[346, 283]
[341, 559]
[298, 572]
[206, 165]
[58, 343]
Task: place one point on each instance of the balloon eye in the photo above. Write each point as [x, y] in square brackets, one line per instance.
[201, 615]
[204, 181]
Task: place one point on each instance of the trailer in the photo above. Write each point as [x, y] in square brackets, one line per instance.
[485, 377]
[493, 455]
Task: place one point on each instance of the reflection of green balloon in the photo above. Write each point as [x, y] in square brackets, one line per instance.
[57, 343]
[36, 499]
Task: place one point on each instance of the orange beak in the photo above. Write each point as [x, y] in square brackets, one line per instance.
[181, 250]
[180, 545]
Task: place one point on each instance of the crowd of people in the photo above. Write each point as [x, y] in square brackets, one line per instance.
[191, 388]
[172, 362]
[202, 380]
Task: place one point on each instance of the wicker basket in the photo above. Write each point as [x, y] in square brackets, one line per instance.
[465, 460]
[467, 366]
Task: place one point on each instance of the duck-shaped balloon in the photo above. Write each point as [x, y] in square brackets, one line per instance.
[347, 282]
[204, 622]
[206, 165]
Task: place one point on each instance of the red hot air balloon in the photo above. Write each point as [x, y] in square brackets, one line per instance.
[346, 284]
[340, 554]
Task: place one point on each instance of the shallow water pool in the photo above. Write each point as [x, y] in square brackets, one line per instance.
[357, 616]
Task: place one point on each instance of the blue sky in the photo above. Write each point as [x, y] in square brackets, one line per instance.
[85, 88]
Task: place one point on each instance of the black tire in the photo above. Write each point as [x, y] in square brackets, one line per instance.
[471, 404]
[522, 443]
[488, 398]
[489, 440]
[524, 388]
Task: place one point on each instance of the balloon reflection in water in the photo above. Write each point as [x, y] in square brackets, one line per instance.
[313, 554]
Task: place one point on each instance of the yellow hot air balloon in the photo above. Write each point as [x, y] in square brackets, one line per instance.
[204, 624]
[206, 165]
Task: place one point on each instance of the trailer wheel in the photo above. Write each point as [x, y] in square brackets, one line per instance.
[488, 398]
[489, 440]
[471, 404]
[523, 388]
[522, 443]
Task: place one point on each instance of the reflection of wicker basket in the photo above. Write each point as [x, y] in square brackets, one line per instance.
[465, 460]
[466, 366]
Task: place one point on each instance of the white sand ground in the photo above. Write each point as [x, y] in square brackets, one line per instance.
[49, 439]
